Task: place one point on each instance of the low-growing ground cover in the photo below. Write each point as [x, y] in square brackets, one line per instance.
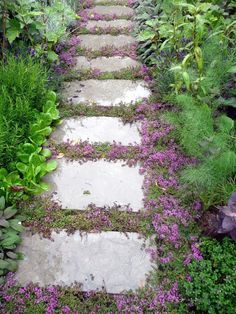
[187, 156]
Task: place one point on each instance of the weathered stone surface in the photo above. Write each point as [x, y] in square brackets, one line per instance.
[96, 260]
[123, 2]
[105, 64]
[116, 10]
[96, 129]
[105, 92]
[97, 42]
[110, 24]
[99, 182]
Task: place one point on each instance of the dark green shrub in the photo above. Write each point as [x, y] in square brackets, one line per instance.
[213, 280]
[22, 95]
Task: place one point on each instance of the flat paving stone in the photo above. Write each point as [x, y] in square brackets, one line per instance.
[109, 24]
[99, 182]
[96, 129]
[105, 92]
[97, 42]
[123, 2]
[104, 64]
[116, 10]
[96, 260]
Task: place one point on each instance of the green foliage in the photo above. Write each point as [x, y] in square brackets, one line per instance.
[209, 139]
[195, 125]
[10, 229]
[178, 31]
[36, 23]
[213, 279]
[22, 96]
[32, 162]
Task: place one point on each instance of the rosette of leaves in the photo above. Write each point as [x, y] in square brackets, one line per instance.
[10, 229]
[227, 217]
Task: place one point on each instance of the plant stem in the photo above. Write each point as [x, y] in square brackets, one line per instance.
[4, 20]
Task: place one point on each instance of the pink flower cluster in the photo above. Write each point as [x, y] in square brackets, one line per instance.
[67, 52]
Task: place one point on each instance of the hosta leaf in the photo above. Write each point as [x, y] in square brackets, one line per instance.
[9, 212]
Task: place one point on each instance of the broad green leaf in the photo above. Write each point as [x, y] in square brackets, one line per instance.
[14, 223]
[46, 153]
[51, 165]
[3, 264]
[12, 255]
[232, 69]
[151, 23]
[3, 173]
[12, 265]
[23, 168]
[10, 240]
[13, 30]
[225, 123]
[4, 223]
[146, 35]
[51, 95]
[9, 212]
[52, 56]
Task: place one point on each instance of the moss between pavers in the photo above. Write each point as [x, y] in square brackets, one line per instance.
[44, 215]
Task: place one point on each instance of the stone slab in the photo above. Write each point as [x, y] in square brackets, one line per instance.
[96, 129]
[109, 24]
[117, 10]
[123, 2]
[99, 182]
[97, 42]
[109, 259]
[105, 92]
[106, 64]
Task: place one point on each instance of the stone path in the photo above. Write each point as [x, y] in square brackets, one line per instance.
[109, 260]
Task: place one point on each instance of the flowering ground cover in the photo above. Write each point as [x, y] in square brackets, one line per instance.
[186, 154]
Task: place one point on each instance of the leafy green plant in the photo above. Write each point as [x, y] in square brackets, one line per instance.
[31, 158]
[213, 280]
[211, 141]
[23, 94]
[35, 22]
[10, 229]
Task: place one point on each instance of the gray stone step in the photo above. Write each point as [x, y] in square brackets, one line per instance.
[116, 10]
[122, 2]
[105, 92]
[109, 24]
[97, 42]
[99, 182]
[106, 64]
[96, 129]
[96, 260]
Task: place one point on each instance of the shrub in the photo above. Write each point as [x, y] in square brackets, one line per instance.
[22, 95]
[213, 280]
